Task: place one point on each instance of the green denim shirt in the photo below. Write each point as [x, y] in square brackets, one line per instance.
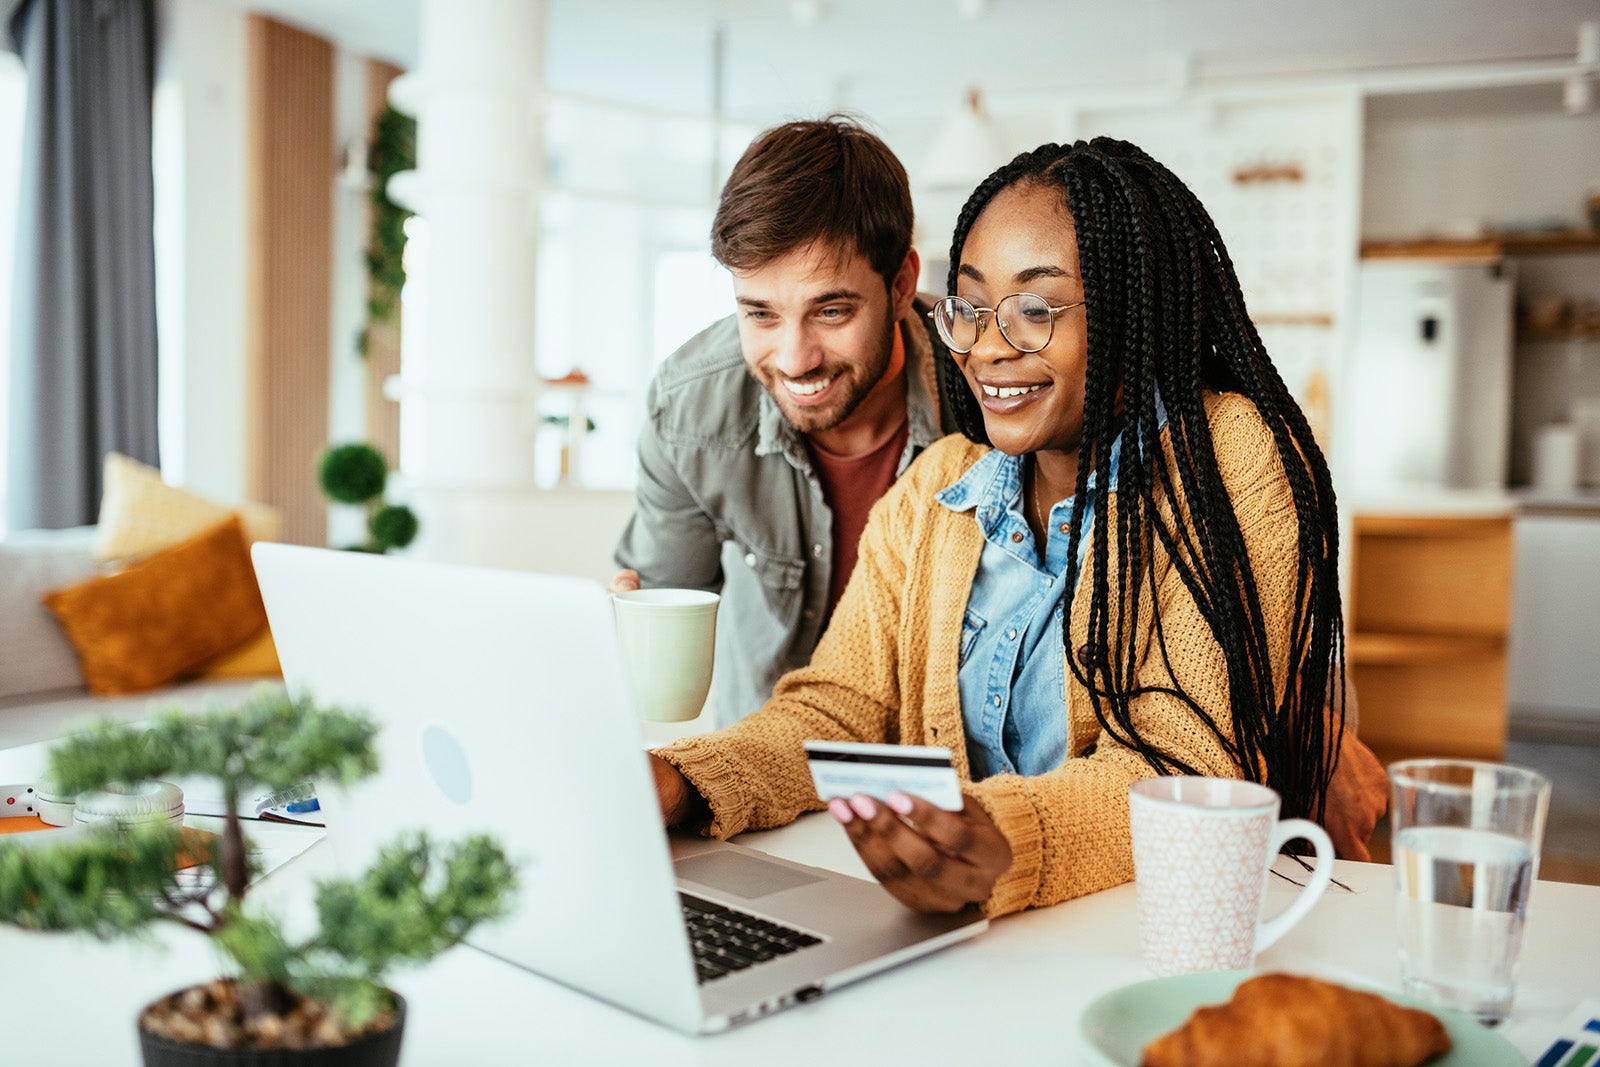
[728, 501]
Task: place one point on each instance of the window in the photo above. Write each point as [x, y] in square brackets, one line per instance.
[624, 277]
[622, 284]
[625, 271]
[13, 89]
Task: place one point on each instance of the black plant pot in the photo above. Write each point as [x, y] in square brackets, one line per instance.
[379, 1049]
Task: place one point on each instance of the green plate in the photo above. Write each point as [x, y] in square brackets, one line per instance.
[1121, 1023]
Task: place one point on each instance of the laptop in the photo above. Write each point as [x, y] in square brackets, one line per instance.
[503, 710]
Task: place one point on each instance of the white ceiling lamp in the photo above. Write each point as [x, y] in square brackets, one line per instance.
[967, 147]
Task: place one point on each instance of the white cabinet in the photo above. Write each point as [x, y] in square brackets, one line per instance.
[1555, 631]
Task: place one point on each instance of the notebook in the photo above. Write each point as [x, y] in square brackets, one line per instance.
[503, 710]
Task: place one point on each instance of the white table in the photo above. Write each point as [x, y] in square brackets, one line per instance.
[1014, 993]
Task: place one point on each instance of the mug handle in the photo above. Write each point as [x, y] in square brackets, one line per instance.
[1321, 875]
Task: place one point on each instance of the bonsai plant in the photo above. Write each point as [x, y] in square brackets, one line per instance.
[356, 474]
[322, 992]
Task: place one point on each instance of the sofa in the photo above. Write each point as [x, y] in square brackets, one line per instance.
[43, 694]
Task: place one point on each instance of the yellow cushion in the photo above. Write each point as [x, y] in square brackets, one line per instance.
[256, 658]
[161, 618]
[141, 514]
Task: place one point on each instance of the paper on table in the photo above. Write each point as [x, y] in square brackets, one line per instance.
[297, 805]
[1577, 1042]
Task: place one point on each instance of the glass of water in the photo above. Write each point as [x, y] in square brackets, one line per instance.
[1466, 851]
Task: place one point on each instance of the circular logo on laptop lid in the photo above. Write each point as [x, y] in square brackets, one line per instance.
[445, 760]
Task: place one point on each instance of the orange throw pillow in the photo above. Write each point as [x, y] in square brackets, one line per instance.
[256, 658]
[162, 617]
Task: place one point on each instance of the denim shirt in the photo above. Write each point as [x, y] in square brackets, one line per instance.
[1013, 678]
[728, 501]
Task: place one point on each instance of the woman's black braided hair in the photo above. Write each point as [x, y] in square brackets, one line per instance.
[1165, 317]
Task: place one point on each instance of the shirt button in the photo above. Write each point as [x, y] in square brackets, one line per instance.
[816, 550]
[1017, 536]
[808, 613]
[749, 559]
[1011, 635]
[996, 699]
[1086, 652]
[1062, 527]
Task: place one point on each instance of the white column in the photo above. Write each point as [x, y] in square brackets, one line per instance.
[469, 385]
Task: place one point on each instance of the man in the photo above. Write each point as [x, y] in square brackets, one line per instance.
[771, 434]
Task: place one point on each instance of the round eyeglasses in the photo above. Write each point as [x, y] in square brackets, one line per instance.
[1027, 322]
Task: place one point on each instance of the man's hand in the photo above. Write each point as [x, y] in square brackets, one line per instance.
[625, 582]
[927, 858]
[680, 802]
[1358, 795]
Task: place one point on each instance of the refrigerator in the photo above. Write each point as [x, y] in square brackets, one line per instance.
[1428, 397]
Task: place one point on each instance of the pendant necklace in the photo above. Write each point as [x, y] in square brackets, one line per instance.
[1038, 509]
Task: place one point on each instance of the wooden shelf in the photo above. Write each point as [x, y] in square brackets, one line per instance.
[1321, 320]
[1444, 527]
[1488, 249]
[1585, 332]
[1480, 251]
[1559, 242]
[1402, 648]
[1429, 613]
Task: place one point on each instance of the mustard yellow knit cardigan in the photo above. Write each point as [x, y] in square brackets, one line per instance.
[886, 671]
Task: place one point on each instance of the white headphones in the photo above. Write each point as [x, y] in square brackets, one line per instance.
[124, 805]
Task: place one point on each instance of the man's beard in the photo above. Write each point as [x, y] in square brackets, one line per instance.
[855, 383]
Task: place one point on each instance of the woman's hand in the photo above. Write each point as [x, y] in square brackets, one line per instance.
[680, 801]
[927, 858]
[1358, 795]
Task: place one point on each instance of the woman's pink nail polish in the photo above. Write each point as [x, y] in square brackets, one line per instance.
[899, 802]
[863, 805]
[840, 810]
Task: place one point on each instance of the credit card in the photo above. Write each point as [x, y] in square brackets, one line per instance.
[845, 768]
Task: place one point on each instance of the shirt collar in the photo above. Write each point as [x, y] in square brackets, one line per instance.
[995, 481]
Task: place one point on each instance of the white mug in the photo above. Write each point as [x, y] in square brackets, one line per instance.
[668, 643]
[1202, 848]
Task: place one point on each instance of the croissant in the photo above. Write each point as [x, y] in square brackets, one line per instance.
[1285, 1020]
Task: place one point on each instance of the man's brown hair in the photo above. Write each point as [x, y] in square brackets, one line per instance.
[827, 179]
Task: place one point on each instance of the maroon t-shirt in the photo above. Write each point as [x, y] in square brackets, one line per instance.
[851, 485]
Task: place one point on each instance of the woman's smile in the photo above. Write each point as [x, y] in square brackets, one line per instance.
[1003, 398]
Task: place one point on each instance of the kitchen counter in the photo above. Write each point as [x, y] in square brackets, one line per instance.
[1471, 503]
[1584, 503]
[1428, 502]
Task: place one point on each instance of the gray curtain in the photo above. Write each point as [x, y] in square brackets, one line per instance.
[83, 331]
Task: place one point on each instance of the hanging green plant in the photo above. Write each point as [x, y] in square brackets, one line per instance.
[393, 149]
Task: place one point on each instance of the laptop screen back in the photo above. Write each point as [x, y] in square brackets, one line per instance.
[502, 708]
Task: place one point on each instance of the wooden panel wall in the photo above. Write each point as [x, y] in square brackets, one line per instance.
[290, 274]
[383, 341]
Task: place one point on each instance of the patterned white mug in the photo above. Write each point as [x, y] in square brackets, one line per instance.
[1202, 848]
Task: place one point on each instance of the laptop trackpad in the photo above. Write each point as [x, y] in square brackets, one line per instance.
[741, 875]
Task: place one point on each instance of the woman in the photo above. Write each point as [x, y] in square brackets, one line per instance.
[1139, 576]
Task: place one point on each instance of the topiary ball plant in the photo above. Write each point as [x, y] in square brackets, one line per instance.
[353, 473]
[356, 473]
[393, 526]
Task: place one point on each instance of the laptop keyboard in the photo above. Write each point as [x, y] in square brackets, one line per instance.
[726, 940]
